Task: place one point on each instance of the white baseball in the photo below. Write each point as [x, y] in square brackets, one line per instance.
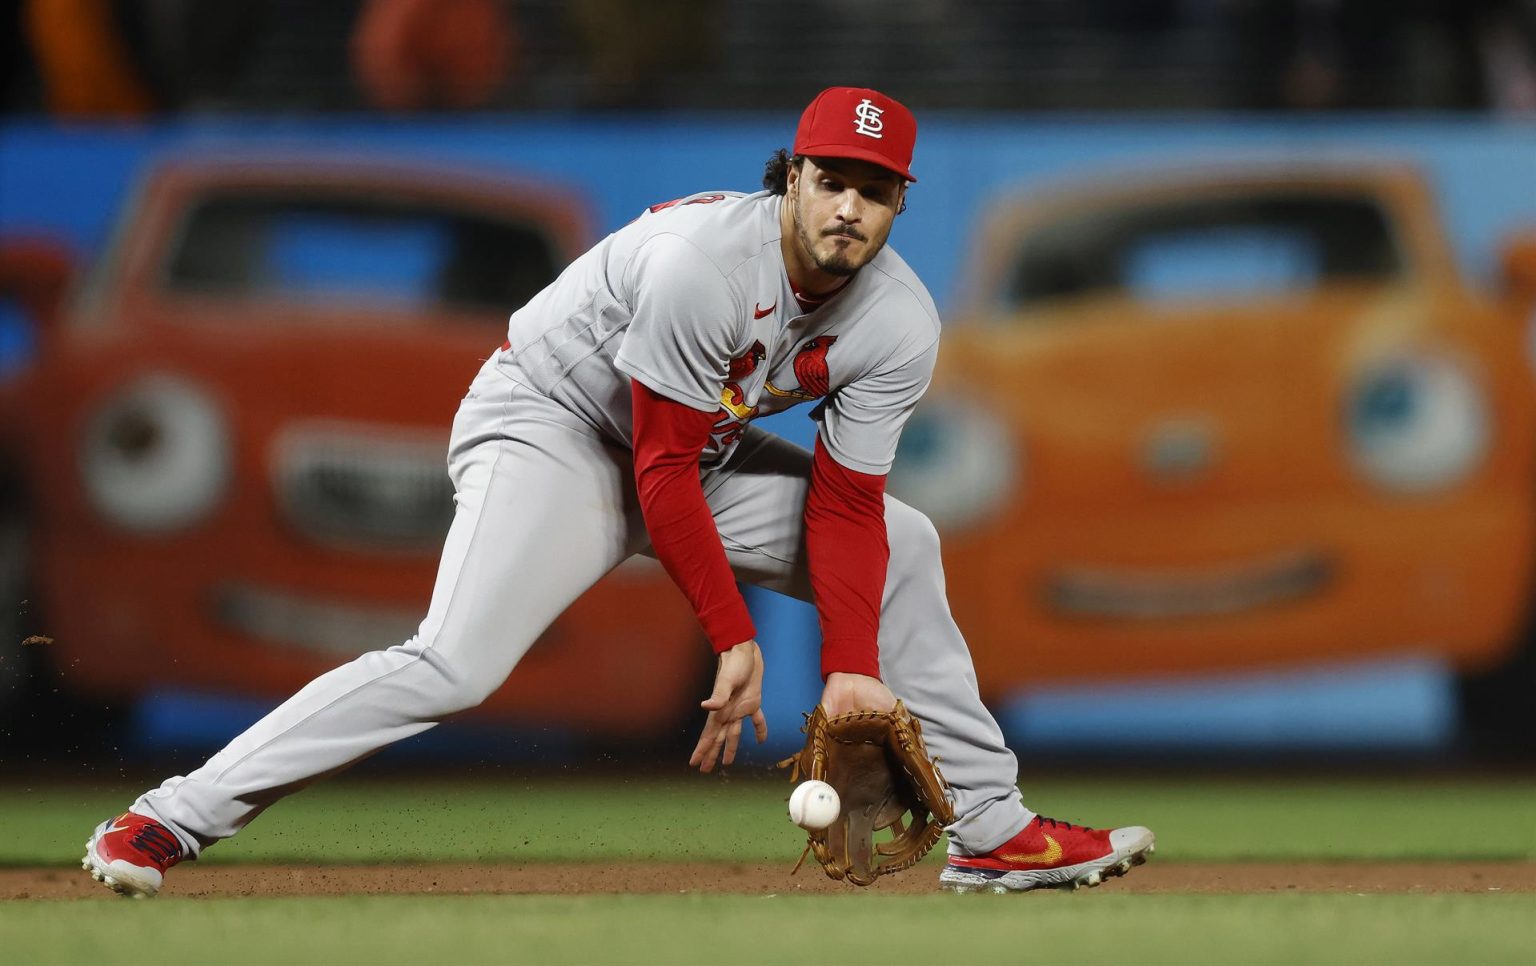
[814, 805]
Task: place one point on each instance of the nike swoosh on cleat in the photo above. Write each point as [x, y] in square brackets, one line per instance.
[1051, 855]
[758, 312]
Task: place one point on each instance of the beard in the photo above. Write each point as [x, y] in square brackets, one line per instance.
[836, 262]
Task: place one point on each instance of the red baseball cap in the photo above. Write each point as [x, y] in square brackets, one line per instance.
[856, 122]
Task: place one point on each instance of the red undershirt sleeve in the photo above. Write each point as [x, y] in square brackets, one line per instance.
[846, 543]
[668, 438]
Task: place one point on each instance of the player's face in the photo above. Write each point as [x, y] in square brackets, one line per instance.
[842, 212]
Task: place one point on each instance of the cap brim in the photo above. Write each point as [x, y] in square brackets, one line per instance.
[854, 154]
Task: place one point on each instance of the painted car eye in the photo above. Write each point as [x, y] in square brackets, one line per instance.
[1417, 423]
[156, 455]
[956, 463]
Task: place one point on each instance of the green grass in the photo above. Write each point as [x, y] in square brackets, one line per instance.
[742, 819]
[1036, 929]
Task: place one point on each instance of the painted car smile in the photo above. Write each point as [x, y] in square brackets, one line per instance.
[1128, 594]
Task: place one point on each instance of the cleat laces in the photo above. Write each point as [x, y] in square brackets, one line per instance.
[1053, 823]
[156, 843]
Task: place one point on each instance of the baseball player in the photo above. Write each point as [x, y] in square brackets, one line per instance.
[617, 419]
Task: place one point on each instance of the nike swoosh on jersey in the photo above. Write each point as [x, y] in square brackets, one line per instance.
[758, 312]
[1051, 855]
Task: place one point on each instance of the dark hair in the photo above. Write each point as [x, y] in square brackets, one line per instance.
[776, 171]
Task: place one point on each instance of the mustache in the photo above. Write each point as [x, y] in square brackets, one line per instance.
[848, 230]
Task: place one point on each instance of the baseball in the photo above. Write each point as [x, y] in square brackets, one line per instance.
[814, 805]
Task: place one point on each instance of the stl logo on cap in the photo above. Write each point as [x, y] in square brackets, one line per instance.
[866, 119]
[861, 124]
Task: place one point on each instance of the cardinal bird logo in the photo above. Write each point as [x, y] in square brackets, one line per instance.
[810, 369]
[731, 397]
[744, 365]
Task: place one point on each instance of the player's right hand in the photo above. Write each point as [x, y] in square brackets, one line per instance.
[738, 694]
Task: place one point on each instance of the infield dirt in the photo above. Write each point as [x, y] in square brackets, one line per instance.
[458, 878]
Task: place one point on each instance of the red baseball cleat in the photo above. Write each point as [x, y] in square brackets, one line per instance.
[1051, 855]
[130, 854]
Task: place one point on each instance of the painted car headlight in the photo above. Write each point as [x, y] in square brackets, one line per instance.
[156, 455]
[956, 462]
[1417, 423]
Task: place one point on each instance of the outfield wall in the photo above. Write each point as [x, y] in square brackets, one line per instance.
[68, 183]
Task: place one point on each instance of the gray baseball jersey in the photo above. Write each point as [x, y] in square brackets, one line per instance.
[692, 299]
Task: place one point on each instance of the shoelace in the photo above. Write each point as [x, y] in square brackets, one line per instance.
[156, 843]
[1066, 825]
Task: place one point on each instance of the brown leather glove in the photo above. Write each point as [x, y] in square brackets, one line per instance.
[882, 772]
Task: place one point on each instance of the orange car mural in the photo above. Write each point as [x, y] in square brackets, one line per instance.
[232, 440]
[1230, 420]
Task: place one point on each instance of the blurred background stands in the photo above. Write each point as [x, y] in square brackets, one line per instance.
[96, 57]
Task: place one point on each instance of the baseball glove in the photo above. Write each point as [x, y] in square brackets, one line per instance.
[880, 767]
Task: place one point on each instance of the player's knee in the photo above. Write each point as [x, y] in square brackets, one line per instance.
[456, 688]
[913, 540]
[466, 692]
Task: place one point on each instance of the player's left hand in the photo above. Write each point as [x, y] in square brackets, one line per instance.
[845, 692]
[738, 694]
